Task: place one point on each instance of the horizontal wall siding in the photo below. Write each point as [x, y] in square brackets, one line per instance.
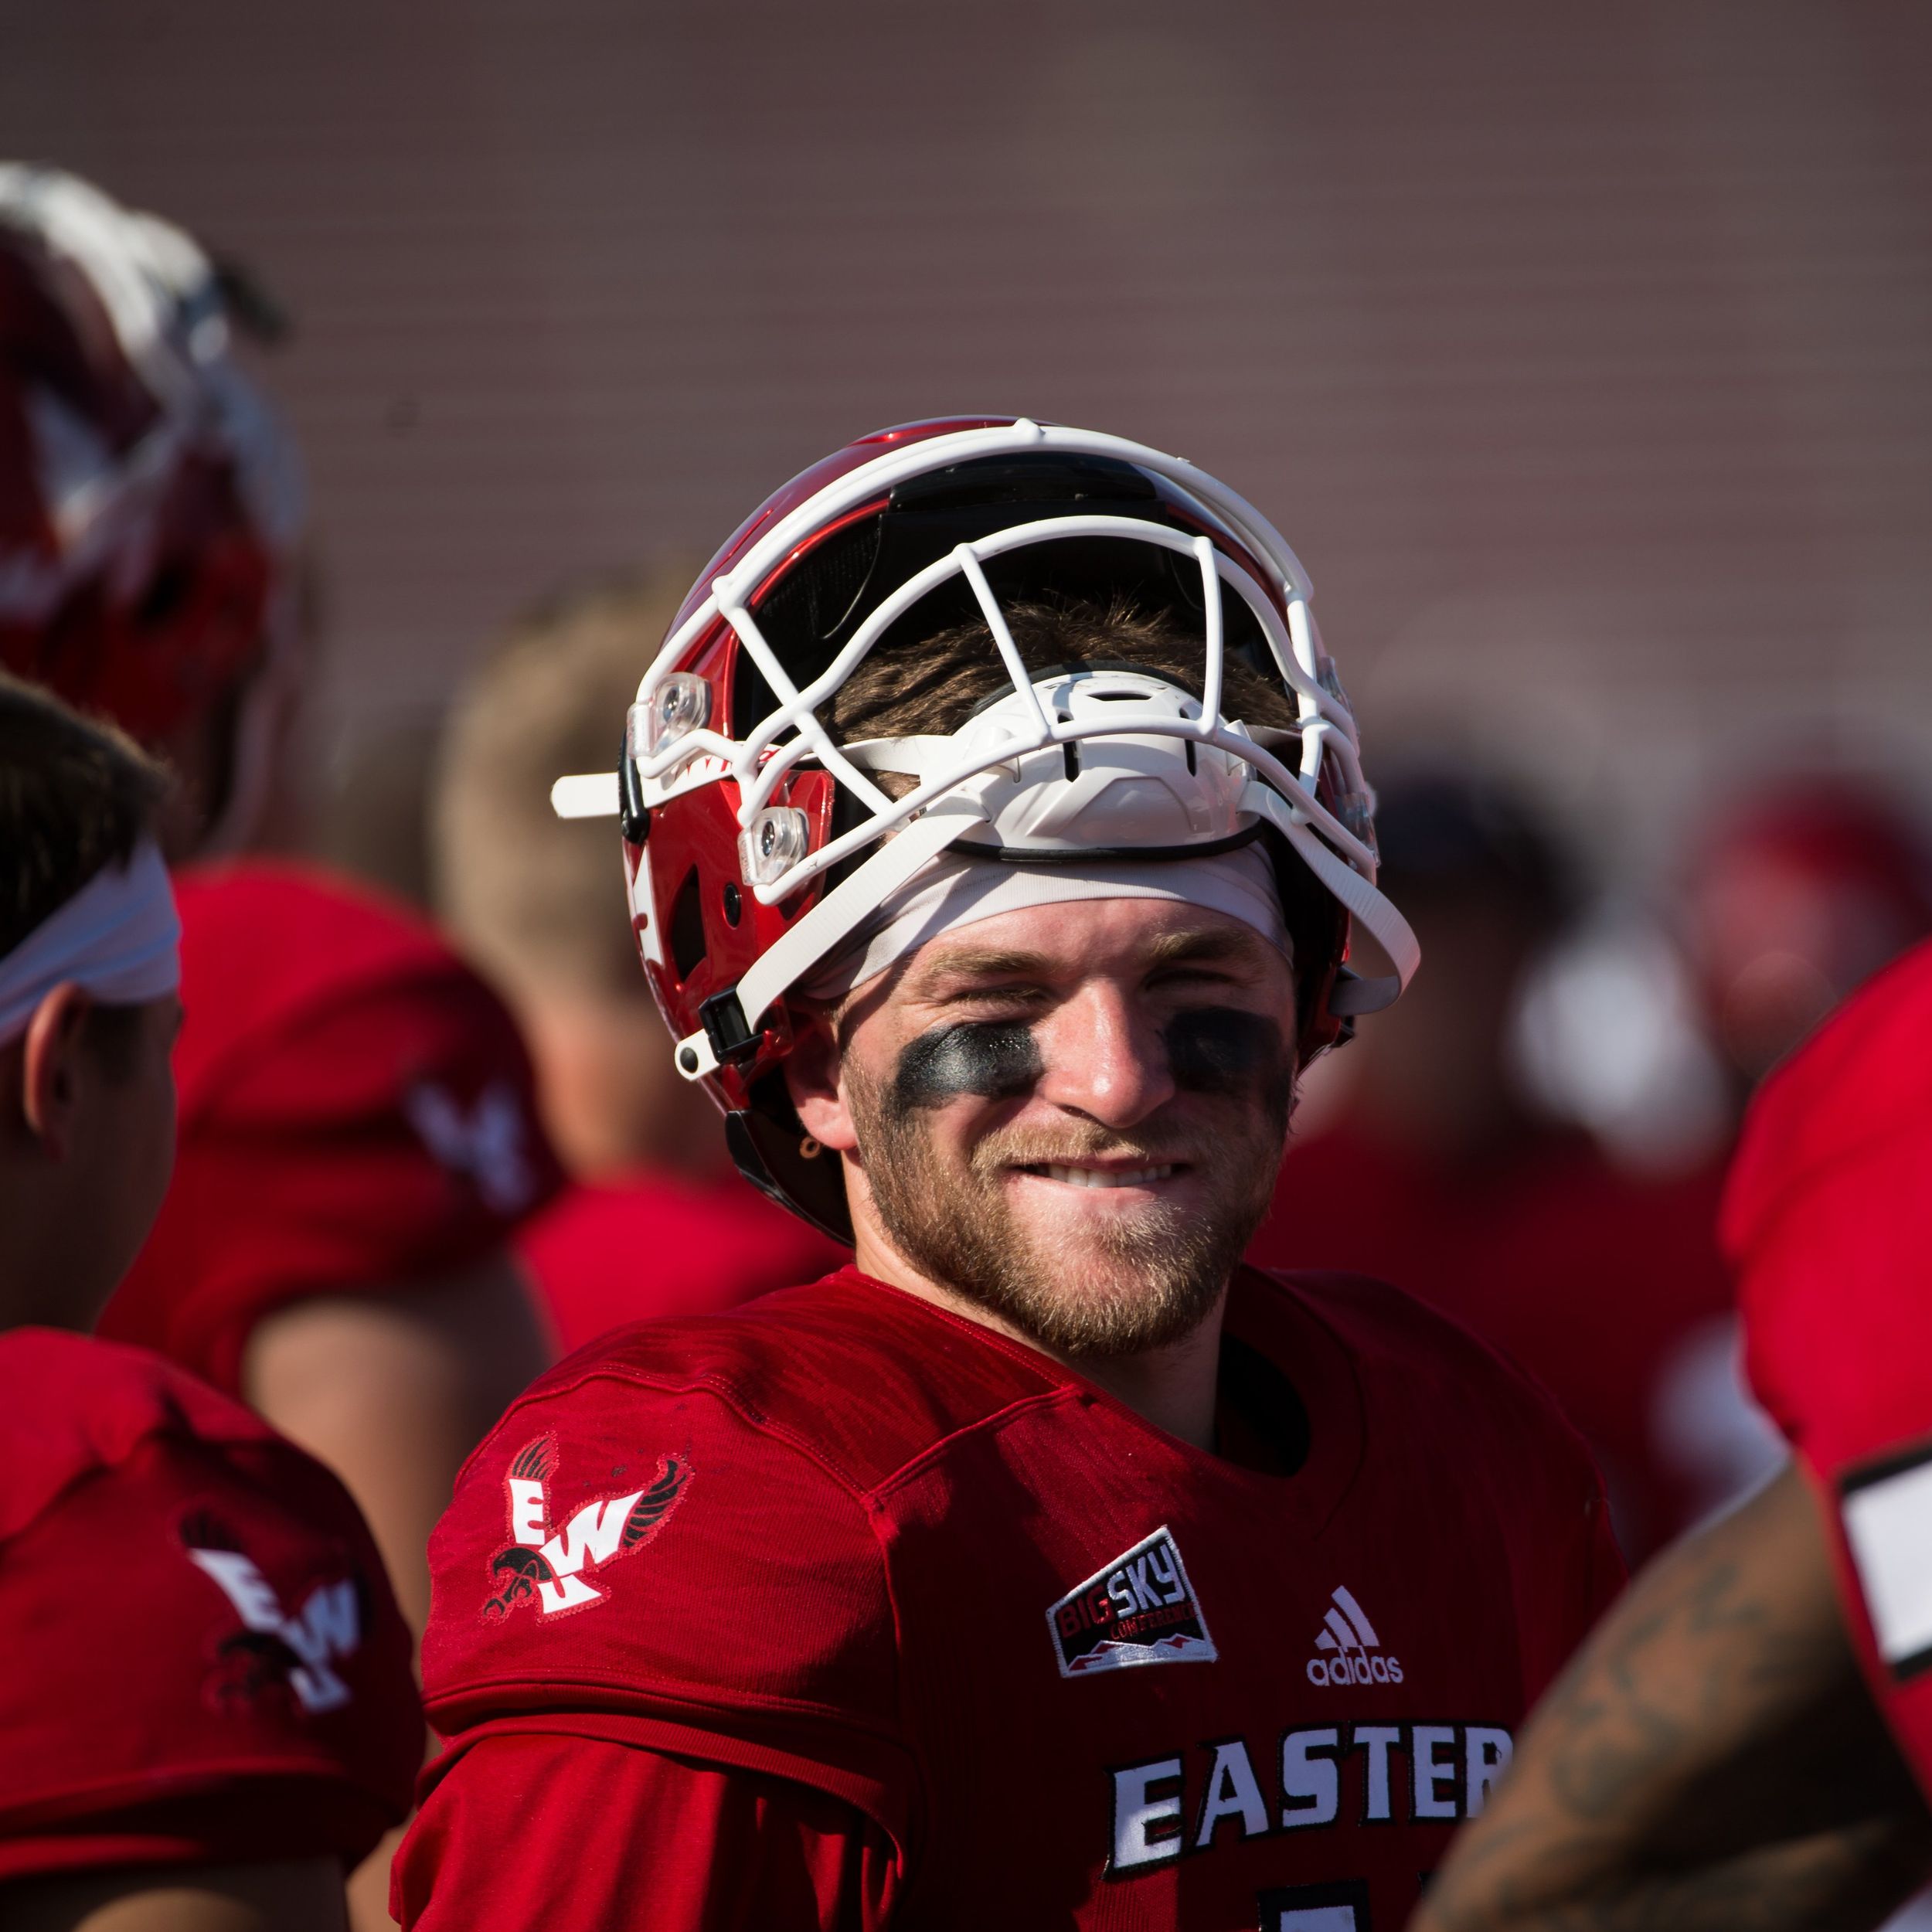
[1585, 354]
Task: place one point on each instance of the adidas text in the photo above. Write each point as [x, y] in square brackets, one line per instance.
[1347, 1650]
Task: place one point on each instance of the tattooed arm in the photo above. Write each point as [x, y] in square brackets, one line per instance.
[1710, 1759]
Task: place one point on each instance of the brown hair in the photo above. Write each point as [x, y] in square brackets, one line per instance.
[76, 795]
[904, 690]
[534, 898]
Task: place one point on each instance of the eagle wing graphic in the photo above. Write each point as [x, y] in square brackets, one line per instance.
[535, 1461]
[655, 1504]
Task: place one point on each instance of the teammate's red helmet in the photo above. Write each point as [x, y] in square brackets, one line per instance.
[1799, 893]
[147, 502]
[757, 845]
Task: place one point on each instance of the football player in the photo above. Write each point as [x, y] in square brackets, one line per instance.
[655, 1222]
[999, 851]
[357, 1140]
[1738, 1742]
[207, 1711]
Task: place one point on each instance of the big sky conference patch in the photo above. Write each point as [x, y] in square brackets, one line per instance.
[1139, 1609]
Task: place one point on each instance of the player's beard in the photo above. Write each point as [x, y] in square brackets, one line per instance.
[1162, 1270]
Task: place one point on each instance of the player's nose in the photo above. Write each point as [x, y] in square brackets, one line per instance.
[1103, 1058]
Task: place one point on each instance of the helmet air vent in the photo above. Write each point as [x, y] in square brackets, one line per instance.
[688, 947]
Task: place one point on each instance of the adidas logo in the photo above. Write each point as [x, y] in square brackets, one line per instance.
[1347, 1650]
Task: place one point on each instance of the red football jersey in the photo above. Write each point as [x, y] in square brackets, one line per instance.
[607, 1253]
[205, 1665]
[1608, 1288]
[356, 1112]
[1044, 1661]
[1829, 1219]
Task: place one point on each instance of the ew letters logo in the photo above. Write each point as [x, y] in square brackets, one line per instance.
[272, 1647]
[544, 1563]
[488, 1144]
[1140, 1609]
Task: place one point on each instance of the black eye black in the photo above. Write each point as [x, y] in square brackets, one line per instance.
[996, 1060]
[1220, 1050]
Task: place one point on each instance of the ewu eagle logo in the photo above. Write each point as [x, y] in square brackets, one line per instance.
[545, 1565]
[298, 1651]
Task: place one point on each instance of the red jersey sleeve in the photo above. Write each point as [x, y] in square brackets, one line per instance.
[355, 1111]
[1828, 1219]
[206, 1666]
[624, 1837]
[653, 1565]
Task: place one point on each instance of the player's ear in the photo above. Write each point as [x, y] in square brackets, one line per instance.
[54, 1068]
[812, 1079]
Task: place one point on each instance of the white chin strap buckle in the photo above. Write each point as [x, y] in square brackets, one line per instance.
[694, 1058]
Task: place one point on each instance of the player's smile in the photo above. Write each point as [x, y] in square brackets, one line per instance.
[1067, 1192]
[1068, 1200]
[1134, 1177]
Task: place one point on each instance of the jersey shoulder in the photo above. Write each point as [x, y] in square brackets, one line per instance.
[269, 947]
[861, 1376]
[681, 1516]
[1386, 1327]
[1427, 1376]
[1827, 1222]
[1856, 1088]
[207, 1593]
[341, 1030]
[78, 1408]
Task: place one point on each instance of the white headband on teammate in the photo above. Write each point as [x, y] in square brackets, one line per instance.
[118, 939]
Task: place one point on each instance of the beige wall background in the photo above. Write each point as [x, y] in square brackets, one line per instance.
[1585, 353]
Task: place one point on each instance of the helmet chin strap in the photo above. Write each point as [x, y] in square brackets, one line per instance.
[827, 925]
[1374, 913]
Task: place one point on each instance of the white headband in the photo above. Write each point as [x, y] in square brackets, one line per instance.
[956, 889]
[118, 938]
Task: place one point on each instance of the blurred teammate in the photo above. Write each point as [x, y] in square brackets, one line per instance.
[1798, 895]
[207, 1710]
[1719, 1754]
[356, 1137]
[1436, 1173]
[656, 1223]
[1044, 1566]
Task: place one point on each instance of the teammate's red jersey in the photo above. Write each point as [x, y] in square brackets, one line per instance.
[1829, 1219]
[843, 1611]
[1608, 1288]
[356, 1112]
[203, 1661]
[605, 1253]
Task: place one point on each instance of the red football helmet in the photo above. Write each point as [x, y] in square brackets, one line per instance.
[757, 845]
[148, 503]
[1798, 894]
